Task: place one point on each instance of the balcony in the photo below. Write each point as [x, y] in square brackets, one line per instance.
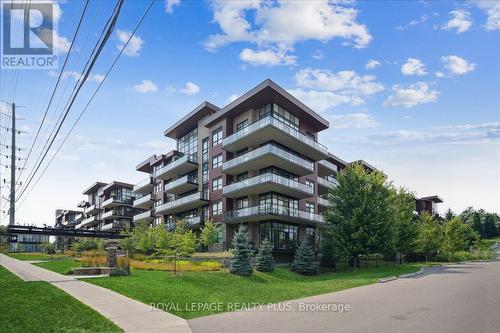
[191, 201]
[324, 185]
[146, 216]
[180, 166]
[269, 128]
[92, 210]
[144, 187]
[326, 168]
[182, 185]
[113, 214]
[194, 222]
[116, 202]
[144, 202]
[266, 156]
[266, 183]
[275, 212]
[323, 202]
[89, 221]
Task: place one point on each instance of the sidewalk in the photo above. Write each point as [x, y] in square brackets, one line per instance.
[128, 314]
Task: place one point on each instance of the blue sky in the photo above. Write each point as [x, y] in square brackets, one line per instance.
[410, 86]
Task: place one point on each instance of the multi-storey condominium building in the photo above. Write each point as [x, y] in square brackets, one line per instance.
[108, 206]
[256, 162]
[66, 219]
[428, 204]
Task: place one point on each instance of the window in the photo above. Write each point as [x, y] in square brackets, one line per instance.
[217, 183]
[217, 137]
[310, 207]
[279, 113]
[204, 150]
[282, 236]
[278, 204]
[310, 183]
[242, 125]
[188, 143]
[158, 188]
[311, 235]
[242, 176]
[157, 220]
[217, 161]
[220, 233]
[279, 172]
[242, 203]
[217, 208]
[157, 203]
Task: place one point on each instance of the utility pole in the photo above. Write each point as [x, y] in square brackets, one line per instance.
[12, 215]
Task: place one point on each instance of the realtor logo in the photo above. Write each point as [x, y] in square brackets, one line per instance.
[28, 35]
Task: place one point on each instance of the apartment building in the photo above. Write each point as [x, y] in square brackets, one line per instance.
[257, 162]
[108, 207]
[428, 204]
[66, 219]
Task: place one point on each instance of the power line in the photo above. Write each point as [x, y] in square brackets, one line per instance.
[93, 95]
[85, 73]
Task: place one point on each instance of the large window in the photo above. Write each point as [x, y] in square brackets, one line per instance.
[279, 113]
[217, 183]
[278, 203]
[217, 161]
[241, 125]
[310, 207]
[217, 137]
[242, 203]
[279, 172]
[217, 208]
[282, 236]
[311, 235]
[188, 143]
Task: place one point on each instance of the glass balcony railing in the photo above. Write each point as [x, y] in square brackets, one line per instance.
[268, 149]
[330, 183]
[181, 202]
[328, 165]
[175, 164]
[266, 178]
[323, 202]
[274, 210]
[183, 180]
[194, 221]
[143, 216]
[145, 200]
[121, 201]
[143, 184]
[271, 121]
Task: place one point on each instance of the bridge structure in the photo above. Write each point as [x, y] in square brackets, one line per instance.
[14, 229]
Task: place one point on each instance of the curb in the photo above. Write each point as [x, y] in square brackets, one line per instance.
[387, 279]
[409, 275]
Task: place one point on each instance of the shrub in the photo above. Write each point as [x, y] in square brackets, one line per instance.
[119, 272]
[240, 260]
[264, 260]
[49, 248]
[304, 263]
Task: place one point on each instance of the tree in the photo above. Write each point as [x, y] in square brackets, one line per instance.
[360, 217]
[477, 225]
[264, 259]
[454, 236]
[429, 235]
[241, 254]
[209, 233]
[404, 219]
[490, 229]
[49, 248]
[449, 215]
[303, 262]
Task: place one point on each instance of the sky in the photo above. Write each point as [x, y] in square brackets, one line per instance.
[412, 87]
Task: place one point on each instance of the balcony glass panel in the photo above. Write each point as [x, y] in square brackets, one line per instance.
[174, 164]
[274, 210]
[268, 177]
[181, 181]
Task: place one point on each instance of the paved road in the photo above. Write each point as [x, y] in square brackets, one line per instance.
[458, 298]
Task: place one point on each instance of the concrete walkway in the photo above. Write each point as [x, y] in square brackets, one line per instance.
[128, 314]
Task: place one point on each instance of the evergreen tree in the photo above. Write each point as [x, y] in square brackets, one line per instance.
[240, 259]
[264, 259]
[477, 224]
[490, 229]
[303, 263]
[449, 215]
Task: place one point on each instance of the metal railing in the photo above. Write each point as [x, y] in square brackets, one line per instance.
[274, 210]
[269, 149]
[271, 121]
[265, 178]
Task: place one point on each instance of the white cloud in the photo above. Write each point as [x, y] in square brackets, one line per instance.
[413, 67]
[232, 98]
[345, 82]
[318, 55]
[460, 21]
[280, 24]
[267, 57]
[190, 89]
[456, 65]
[321, 101]
[76, 76]
[134, 46]
[415, 94]
[61, 44]
[352, 120]
[492, 9]
[372, 64]
[146, 86]
[420, 20]
[439, 74]
[170, 4]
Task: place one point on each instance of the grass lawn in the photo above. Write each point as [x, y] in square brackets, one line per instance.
[222, 287]
[63, 266]
[35, 256]
[41, 307]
